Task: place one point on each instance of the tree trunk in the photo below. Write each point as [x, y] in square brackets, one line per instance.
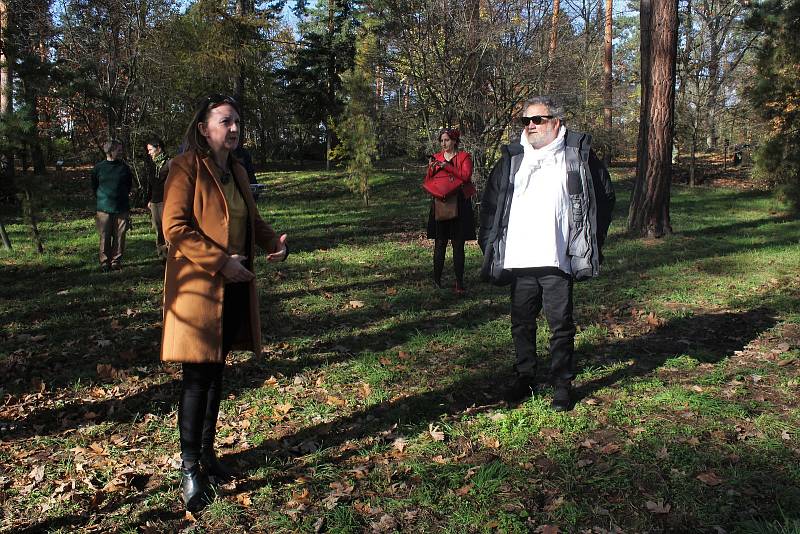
[6, 96]
[608, 92]
[34, 140]
[551, 51]
[242, 9]
[30, 213]
[331, 91]
[649, 211]
[712, 104]
[4, 237]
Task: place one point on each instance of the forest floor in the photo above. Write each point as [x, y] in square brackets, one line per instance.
[375, 405]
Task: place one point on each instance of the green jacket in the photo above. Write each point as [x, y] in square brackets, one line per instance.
[111, 183]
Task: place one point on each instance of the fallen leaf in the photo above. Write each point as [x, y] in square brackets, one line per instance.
[335, 401]
[658, 507]
[611, 448]
[37, 474]
[435, 432]
[283, 408]
[356, 304]
[591, 401]
[554, 504]
[391, 291]
[662, 454]
[547, 529]
[463, 490]
[490, 442]
[271, 382]
[300, 496]
[189, 516]
[709, 478]
[244, 499]
[364, 390]
[385, 524]
[588, 444]
[399, 444]
[584, 462]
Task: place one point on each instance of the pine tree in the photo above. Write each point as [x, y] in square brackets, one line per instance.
[358, 141]
[776, 96]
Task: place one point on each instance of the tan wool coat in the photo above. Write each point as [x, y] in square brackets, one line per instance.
[195, 223]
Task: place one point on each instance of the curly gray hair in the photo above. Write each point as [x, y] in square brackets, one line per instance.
[554, 107]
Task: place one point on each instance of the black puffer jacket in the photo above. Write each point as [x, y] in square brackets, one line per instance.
[591, 205]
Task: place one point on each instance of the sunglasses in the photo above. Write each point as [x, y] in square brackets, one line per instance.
[212, 101]
[536, 119]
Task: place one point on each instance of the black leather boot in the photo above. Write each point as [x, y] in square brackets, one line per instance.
[213, 467]
[562, 401]
[195, 490]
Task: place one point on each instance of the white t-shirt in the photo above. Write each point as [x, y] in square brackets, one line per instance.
[538, 225]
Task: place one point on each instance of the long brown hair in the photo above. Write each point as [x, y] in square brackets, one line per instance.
[193, 139]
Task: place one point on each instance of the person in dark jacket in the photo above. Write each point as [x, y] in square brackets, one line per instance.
[456, 165]
[545, 213]
[158, 175]
[111, 183]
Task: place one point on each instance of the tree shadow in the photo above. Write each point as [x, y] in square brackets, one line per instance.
[717, 336]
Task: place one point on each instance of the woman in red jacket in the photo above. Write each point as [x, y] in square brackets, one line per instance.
[456, 165]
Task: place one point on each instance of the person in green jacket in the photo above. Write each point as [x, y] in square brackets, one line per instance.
[111, 183]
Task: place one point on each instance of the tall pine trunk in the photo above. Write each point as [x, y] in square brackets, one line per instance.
[551, 51]
[608, 92]
[649, 210]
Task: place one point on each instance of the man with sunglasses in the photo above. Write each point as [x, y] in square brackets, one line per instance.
[545, 213]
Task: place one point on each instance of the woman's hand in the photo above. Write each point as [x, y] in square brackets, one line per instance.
[234, 271]
[281, 254]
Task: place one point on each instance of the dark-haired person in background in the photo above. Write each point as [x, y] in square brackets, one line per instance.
[545, 213]
[111, 183]
[210, 296]
[457, 166]
[157, 178]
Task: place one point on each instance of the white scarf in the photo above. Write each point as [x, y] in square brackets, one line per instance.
[535, 158]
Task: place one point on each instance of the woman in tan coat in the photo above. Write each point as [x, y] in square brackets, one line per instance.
[210, 301]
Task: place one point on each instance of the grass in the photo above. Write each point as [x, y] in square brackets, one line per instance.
[375, 404]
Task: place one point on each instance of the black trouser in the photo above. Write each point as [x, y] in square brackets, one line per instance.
[530, 289]
[439, 250]
[201, 391]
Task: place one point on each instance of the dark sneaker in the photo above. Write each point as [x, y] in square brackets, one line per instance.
[104, 267]
[561, 398]
[116, 266]
[520, 389]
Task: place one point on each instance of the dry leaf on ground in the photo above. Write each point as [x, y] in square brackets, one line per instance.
[659, 507]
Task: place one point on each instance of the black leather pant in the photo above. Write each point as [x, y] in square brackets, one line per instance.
[201, 390]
